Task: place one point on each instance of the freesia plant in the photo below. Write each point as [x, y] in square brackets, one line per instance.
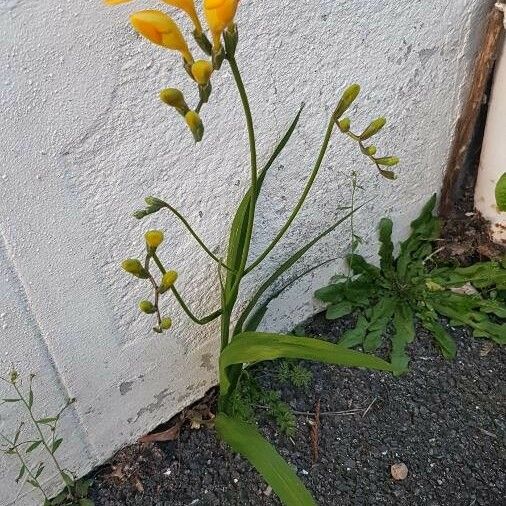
[241, 344]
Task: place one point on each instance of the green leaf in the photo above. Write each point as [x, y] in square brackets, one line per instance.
[82, 487]
[338, 310]
[33, 446]
[40, 470]
[500, 193]
[30, 398]
[69, 481]
[240, 221]
[56, 444]
[48, 420]
[60, 498]
[284, 267]
[386, 247]
[330, 293]
[355, 336]
[254, 320]
[480, 275]
[21, 473]
[360, 266]
[441, 336]
[404, 333]
[388, 161]
[378, 322]
[251, 347]
[416, 247]
[86, 502]
[245, 439]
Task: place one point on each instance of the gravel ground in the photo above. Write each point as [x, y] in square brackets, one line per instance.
[443, 420]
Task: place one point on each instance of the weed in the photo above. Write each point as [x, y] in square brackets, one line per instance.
[406, 287]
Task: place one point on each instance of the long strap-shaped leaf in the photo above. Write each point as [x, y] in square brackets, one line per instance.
[245, 439]
[238, 227]
[282, 268]
[255, 319]
[251, 347]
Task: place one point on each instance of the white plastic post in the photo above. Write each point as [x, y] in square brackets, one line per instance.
[493, 154]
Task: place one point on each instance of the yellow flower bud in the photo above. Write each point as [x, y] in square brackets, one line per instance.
[162, 30]
[147, 307]
[166, 323]
[201, 71]
[168, 280]
[195, 124]
[134, 267]
[219, 14]
[153, 238]
[187, 6]
[174, 98]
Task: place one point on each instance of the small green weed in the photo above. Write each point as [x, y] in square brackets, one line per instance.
[44, 436]
[295, 374]
[250, 395]
[403, 288]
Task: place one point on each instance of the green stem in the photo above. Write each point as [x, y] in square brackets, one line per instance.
[253, 162]
[186, 309]
[42, 437]
[301, 200]
[230, 296]
[352, 223]
[194, 234]
[179, 298]
[24, 463]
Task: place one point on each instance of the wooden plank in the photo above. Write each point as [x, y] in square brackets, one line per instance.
[466, 124]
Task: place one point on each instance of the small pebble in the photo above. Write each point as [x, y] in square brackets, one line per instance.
[399, 471]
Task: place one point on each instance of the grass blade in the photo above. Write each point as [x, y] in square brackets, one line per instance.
[245, 439]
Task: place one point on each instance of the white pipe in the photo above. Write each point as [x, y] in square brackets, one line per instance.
[493, 153]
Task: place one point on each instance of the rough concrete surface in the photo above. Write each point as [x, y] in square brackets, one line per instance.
[84, 139]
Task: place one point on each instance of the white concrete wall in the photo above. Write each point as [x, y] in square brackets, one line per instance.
[83, 139]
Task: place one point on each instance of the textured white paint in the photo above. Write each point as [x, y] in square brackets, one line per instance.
[84, 139]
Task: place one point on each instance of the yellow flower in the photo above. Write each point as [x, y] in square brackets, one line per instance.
[162, 30]
[187, 6]
[219, 14]
[116, 2]
[153, 238]
[201, 71]
[195, 124]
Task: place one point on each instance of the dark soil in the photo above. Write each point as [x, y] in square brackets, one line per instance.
[444, 420]
[465, 236]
